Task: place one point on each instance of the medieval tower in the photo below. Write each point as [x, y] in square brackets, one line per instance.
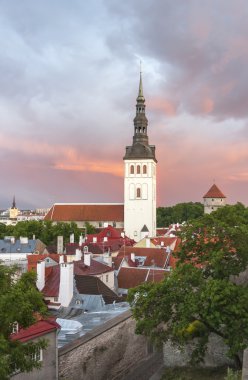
[140, 178]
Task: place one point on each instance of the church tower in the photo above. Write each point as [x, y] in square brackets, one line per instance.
[140, 178]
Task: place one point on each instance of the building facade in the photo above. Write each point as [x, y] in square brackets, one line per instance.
[213, 200]
[140, 178]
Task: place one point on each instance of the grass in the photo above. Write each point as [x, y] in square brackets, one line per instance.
[187, 373]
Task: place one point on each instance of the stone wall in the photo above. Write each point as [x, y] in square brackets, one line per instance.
[245, 365]
[215, 355]
[107, 352]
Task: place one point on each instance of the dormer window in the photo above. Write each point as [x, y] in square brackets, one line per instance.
[15, 327]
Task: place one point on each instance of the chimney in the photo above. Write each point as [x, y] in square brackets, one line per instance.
[148, 242]
[162, 244]
[66, 284]
[94, 239]
[107, 258]
[60, 245]
[133, 257]
[78, 254]
[33, 237]
[87, 259]
[61, 259]
[71, 238]
[105, 239]
[40, 282]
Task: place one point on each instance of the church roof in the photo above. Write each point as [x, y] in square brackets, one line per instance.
[214, 192]
[63, 212]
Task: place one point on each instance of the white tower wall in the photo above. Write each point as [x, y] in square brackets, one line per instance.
[140, 210]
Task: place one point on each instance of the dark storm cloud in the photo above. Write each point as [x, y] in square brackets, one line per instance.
[204, 45]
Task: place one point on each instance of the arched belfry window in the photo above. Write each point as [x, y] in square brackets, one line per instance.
[138, 192]
[144, 169]
[138, 169]
[132, 169]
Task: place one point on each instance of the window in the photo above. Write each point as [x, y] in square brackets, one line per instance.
[144, 169]
[15, 328]
[138, 194]
[138, 169]
[100, 224]
[56, 299]
[114, 224]
[107, 277]
[132, 169]
[37, 355]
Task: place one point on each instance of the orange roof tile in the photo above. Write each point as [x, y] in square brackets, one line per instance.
[86, 212]
[214, 192]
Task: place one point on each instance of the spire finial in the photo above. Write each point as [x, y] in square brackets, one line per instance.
[140, 93]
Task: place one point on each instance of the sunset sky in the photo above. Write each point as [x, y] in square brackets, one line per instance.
[68, 87]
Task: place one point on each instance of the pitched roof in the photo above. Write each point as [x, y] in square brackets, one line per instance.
[214, 192]
[95, 268]
[86, 212]
[33, 259]
[153, 256]
[39, 328]
[94, 286]
[51, 288]
[132, 277]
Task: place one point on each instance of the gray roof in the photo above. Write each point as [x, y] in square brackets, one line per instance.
[6, 246]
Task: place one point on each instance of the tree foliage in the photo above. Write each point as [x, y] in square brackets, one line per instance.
[202, 294]
[182, 212]
[19, 302]
[46, 231]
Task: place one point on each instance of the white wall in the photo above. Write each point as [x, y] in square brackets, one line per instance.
[140, 211]
[212, 204]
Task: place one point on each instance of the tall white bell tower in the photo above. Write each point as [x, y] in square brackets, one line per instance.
[140, 178]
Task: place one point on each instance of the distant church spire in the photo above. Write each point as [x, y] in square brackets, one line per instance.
[14, 202]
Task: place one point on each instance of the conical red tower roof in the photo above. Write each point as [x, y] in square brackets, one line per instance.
[214, 192]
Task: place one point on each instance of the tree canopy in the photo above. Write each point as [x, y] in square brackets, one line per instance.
[182, 212]
[203, 294]
[19, 302]
[46, 231]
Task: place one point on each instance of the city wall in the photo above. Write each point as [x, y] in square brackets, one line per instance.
[103, 353]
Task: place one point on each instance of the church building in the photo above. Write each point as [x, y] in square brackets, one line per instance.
[138, 214]
[140, 178]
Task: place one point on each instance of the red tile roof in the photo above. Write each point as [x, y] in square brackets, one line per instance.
[39, 328]
[132, 277]
[95, 268]
[154, 256]
[214, 192]
[51, 288]
[86, 212]
[166, 240]
[33, 259]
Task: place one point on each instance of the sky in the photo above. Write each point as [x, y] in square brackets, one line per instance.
[68, 87]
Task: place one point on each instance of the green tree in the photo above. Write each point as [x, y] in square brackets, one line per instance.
[202, 294]
[182, 212]
[19, 301]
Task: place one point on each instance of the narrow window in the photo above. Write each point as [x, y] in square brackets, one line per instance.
[107, 277]
[138, 192]
[144, 169]
[132, 169]
[138, 169]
